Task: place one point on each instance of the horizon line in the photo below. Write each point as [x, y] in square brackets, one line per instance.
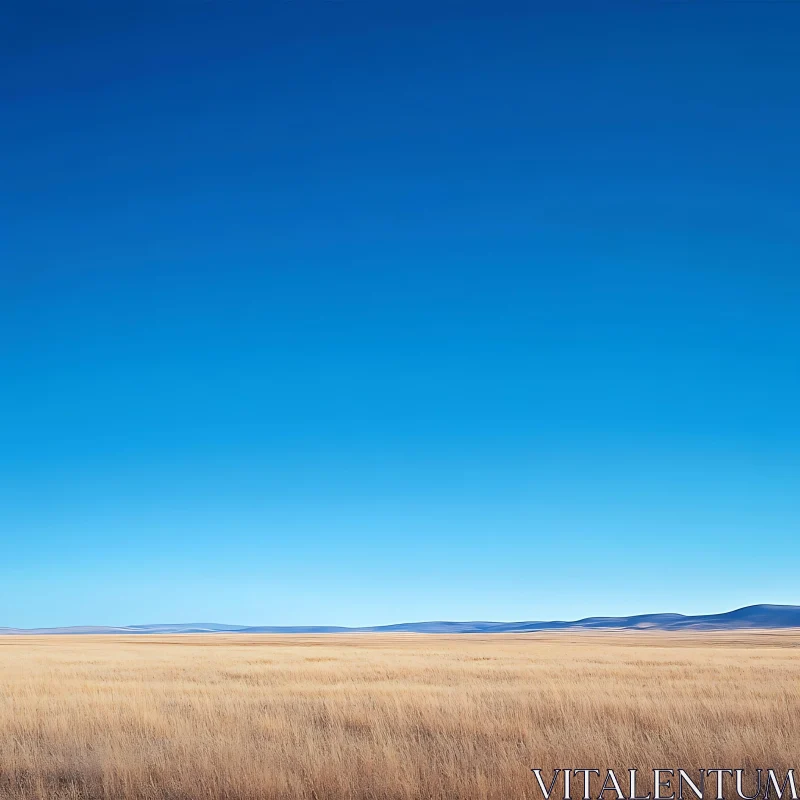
[642, 620]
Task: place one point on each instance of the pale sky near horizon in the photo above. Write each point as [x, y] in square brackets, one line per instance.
[359, 313]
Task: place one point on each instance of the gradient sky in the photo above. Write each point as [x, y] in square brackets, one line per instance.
[363, 312]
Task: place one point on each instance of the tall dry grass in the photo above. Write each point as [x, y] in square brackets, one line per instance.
[256, 718]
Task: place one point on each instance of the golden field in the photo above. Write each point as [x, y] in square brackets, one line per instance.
[371, 716]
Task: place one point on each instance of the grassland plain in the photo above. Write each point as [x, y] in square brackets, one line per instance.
[383, 717]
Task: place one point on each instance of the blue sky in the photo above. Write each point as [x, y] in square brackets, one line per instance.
[357, 313]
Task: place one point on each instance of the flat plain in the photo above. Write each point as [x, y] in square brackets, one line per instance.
[383, 717]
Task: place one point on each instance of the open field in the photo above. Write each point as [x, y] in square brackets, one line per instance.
[367, 716]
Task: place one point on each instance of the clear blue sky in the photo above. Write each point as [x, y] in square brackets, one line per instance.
[363, 312]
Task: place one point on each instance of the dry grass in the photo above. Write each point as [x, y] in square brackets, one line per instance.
[255, 718]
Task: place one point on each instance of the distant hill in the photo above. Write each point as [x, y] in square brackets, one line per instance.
[750, 617]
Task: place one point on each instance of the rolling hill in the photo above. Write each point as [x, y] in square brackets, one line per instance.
[749, 617]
